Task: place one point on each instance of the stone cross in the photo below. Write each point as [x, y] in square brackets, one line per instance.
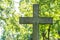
[35, 20]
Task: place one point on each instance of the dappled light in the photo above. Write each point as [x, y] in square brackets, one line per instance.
[12, 10]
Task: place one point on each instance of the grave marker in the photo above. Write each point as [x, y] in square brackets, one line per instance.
[35, 20]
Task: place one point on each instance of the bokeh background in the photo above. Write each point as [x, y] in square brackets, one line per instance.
[11, 10]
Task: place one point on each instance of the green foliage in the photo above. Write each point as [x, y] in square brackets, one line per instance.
[47, 8]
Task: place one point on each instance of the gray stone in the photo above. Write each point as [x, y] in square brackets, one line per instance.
[35, 20]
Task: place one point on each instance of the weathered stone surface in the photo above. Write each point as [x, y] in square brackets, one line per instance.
[35, 20]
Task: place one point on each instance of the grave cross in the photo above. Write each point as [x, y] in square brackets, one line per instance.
[35, 20]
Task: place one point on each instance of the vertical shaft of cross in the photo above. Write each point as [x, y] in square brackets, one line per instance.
[35, 10]
[35, 32]
[35, 25]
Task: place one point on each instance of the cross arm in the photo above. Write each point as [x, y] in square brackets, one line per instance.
[25, 20]
[45, 20]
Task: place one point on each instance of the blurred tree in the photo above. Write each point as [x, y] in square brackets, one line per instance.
[11, 10]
